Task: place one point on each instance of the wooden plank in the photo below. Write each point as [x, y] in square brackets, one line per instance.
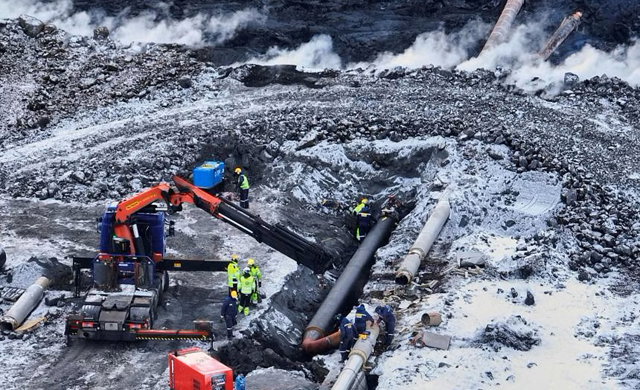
[30, 324]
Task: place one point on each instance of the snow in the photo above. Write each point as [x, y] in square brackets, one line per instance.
[564, 315]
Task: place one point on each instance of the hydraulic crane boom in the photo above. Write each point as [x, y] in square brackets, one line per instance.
[277, 237]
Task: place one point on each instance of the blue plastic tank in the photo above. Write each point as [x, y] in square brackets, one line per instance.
[209, 174]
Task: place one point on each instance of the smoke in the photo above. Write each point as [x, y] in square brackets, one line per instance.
[528, 71]
[150, 26]
[433, 48]
[317, 54]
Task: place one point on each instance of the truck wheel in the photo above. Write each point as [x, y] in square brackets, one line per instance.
[165, 281]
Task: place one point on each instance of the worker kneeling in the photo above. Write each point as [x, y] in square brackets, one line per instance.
[247, 288]
[229, 311]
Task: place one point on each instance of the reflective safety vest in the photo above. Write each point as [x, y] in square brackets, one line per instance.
[244, 182]
[255, 272]
[359, 207]
[246, 284]
[233, 274]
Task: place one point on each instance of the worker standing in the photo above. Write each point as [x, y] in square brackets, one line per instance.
[365, 221]
[229, 311]
[233, 273]
[247, 287]
[242, 187]
[385, 314]
[362, 316]
[347, 336]
[359, 206]
[257, 279]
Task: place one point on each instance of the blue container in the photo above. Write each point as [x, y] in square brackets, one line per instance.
[209, 174]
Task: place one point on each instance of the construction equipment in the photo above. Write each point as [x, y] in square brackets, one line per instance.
[129, 275]
[192, 368]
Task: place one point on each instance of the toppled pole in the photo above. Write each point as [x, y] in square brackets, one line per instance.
[23, 306]
[568, 24]
[314, 340]
[409, 266]
[502, 27]
[359, 355]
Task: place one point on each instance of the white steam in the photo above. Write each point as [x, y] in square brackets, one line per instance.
[150, 26]
[433, 48]
[317, 54]
[449, 51]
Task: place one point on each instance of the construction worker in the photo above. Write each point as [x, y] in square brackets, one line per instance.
[365, 221]
[242, 187]
[347, 336]
[240, 383]
[229, 311]
[359, 206]
[362, 316]
[257, 279]
[247, 287]
[385, 314]
[233, 273]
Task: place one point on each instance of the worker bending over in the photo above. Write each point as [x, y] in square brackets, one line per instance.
[362, 317]
[257, 279]
[233, 273]
[247, 287]
[242, 187]
[385, 314]
[229, 311]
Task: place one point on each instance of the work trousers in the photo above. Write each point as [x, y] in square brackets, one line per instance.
[245, 300]
[244, 198]
[230, 321]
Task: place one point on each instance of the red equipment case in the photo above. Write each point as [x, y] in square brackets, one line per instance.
[193, 369]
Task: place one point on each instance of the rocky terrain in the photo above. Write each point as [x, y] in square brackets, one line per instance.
[89, 120]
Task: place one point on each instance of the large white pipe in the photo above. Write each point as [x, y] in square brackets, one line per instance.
[25, 304]
[502, 27]
[409, 266]
[357, 358]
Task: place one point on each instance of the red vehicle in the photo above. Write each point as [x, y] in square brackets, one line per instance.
[193, 369]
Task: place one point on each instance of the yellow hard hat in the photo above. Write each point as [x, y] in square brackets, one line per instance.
[364, 200]
[250, 261]
[237, 170]
[234, 257]
[234, 294]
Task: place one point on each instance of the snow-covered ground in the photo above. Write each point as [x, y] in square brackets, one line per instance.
[545, 190]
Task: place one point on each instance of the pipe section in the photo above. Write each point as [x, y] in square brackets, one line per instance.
[322, 321]
[568, 24]
[24, 305]
[409, 266]
[314, 347]
[357, 358]
[502, 27]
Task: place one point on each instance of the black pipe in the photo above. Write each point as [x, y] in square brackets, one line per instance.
[323, 320]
